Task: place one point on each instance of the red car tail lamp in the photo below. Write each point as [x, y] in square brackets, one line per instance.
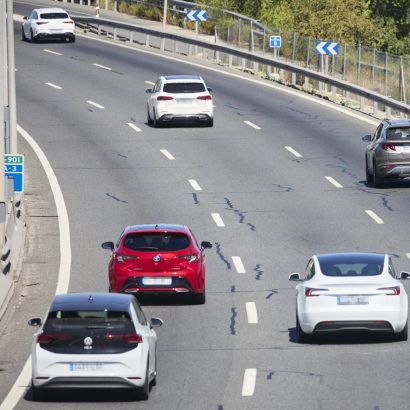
[391, 291]
[122, 258]
[204, 97]
[388, 147]
[164, 98]
[47, 338]
[313, 291]
[190, 258]
[130, 339]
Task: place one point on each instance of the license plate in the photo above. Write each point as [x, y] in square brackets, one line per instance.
[353, 300]
[184, 101]
[85, 366]
[156, 281]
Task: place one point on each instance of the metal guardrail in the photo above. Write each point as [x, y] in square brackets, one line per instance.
[335, 83]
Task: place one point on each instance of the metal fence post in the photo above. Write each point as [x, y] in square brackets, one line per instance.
[385, 75]
[374, 64]
[402, 82]
[359, 52]
[239, 32]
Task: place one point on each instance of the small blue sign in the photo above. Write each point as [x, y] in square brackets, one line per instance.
[197, 15]
[14, 168]
[323, 47]
[275, 41]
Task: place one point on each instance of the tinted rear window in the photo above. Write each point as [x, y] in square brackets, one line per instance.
[351, 265]
[52, 16]
[156, 241]
[398, 134]
[175, 88]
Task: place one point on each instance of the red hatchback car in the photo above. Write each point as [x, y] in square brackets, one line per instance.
[157, 259]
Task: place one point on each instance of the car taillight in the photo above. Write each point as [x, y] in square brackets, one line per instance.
[46, 338]
[123, 258]
[387, 147]
[39, 23]
[393, 291]
[189, 258]
[164, 98]
[131, 339]
[69, 22]
[313, 291]
[204, 97]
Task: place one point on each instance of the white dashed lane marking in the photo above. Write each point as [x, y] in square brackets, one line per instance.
[375, 218]
[334, 182]
[101, 107]
[134, 127]
[57, 87]
[294, 152]
[194, 184]
[237, 261]
[251, 124]
[249, 382]
[52, 52]
[102, 66]
[167, 154]
[408, 255]
[251, 312]
[217, 219]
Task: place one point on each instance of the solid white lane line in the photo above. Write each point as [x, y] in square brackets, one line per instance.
[57, 87]
[251, 124]
[249, 382]
[217, 219]
[134, 127]
[101, 107]
[194, 184]
[237, 261]
[23, 380]
[149, 83]
[408, 255]
[294, 152]
[376, 219]
[251, 312]
[102, 66]
[52, 52]
[167, 154]
[334, 182]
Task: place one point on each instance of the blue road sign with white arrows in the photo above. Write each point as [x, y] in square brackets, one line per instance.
[323, 47]
[275, 41]
[14, 168]
[197, 15]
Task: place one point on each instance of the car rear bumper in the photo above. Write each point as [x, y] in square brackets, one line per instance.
[102, 382]
[394, 170]
[47, 35]
[179, 284]
[200, 117]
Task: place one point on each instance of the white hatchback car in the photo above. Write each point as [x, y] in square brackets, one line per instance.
[50, 23]
[177, 98]
[94, 340]
[350, 292]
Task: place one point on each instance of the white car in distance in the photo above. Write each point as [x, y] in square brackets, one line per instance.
[180, 98]
[48, 23]
[94, 341]
[350, 292]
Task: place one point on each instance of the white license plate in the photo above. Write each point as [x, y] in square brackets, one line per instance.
[85, 366]
[184, 101]
[353, 300]
[156, 281]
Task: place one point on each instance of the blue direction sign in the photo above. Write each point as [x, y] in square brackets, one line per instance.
[275, 41]
[14, 168]
[197, 15]
[323, 47]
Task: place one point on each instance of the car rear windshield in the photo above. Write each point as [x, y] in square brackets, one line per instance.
[52, 16]
[398, 134]
[351, 265]
[175, 88]
[156, 241]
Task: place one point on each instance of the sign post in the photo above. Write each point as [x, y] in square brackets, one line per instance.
[14, 168]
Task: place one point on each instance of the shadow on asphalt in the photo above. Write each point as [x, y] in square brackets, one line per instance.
[165, 300]
[389, 184]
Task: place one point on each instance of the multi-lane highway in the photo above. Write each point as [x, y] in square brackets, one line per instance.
[277, 179]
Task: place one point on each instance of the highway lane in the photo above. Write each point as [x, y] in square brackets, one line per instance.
[275, 218]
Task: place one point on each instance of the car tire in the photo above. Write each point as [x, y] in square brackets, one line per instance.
[301, 335]
[369, 176]
[154, 379]
[142, 393]
[71, 39]
[210, 123]
[32, 39]
[37, 393]
[155, 122]
[149, 119]
[23, 36]
[378, 181]
[403, 335]
[200, 298]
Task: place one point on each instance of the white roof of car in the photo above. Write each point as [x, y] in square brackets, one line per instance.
[51, 10]
[182, 78]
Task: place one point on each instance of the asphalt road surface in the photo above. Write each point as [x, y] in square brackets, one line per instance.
[278, 206]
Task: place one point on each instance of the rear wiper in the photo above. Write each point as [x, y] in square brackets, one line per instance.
[146, 248]
[99, 327]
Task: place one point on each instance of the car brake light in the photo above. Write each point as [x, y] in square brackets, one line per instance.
[164, 98]
[69, 22]
[204, 97]
[123, 258]
[189, 258]
[312, 291]
[393, 291]
[46, 338]
[39, 23]
[131, 339]
[387, 147]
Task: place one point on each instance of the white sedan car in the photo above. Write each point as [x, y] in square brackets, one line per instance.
[350, 292]
[48, 23]
[97, 340]
[180, 98]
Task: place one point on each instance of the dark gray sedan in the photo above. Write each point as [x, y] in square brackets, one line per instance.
[388, 152]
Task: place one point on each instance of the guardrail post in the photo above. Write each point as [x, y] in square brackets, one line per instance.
[388, 112]
[115, 33]
[375, 108]
[230, 60]
[362, 104]
[147, 40]
[162, 44]
[217, 57]
[131, 37]
[176, 47]
[99, 30]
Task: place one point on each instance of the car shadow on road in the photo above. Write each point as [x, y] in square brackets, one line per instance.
[390, 184]
[165, 300]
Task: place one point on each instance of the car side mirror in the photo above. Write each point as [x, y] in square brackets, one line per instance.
[35, 322]
[209, 89]
[149, 90]
[404, 275]
[155, 322]
[108, 245]
[367, 138]
[206, 245]
[295, 277]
